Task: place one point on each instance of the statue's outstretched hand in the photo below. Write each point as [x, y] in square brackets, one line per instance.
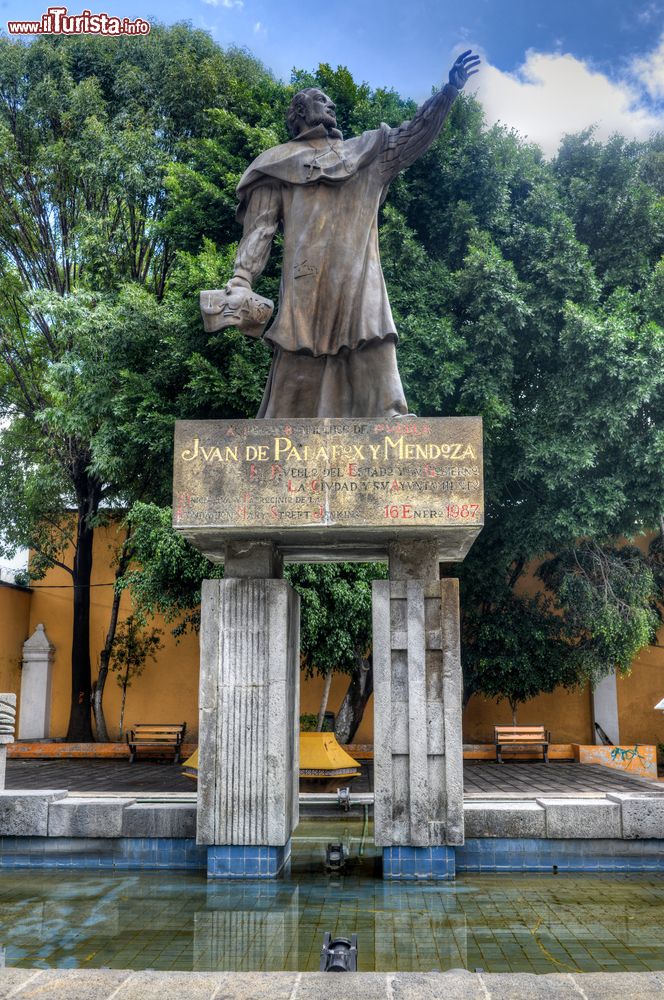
[464, 67]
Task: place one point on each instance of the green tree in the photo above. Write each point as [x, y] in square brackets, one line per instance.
[336, 632]
[515, 650]
[91, 133]
[506, 308]
[81, 184]
[132, 648]
[608, 600]
[614, 193]
[530, 293]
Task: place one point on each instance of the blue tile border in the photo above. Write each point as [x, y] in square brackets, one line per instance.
[502, 854]
[489, 854]
[412, 864]
[235, 861]
[143, 854]
[514, 854]
[133, 853]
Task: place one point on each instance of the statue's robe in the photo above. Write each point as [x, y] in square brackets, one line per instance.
[334, 336]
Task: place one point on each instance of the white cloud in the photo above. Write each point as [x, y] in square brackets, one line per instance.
[650, 70]
[258, 28]
[224, 3]
[649, 13]
[553, 93]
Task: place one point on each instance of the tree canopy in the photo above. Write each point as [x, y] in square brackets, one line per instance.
[528, 292]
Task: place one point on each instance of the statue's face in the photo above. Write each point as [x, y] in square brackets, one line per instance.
[321, 110]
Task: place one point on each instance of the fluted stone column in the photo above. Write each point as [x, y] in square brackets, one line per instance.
[418, 750]
[7, 726]
[249, 712]
[35, 707]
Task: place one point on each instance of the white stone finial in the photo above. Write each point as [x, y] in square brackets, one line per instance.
[38, 641]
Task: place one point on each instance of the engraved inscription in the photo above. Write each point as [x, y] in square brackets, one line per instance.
[279, 473]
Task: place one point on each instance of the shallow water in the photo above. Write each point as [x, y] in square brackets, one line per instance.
[517, 923]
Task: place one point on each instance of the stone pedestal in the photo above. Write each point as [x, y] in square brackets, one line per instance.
[35, 706]
[418, 752]
[251, 493]
[249, 712]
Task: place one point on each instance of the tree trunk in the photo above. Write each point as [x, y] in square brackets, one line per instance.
[122, 706]
[88, 492]
[105, 655]
[104, 660]
[323, 701]
[513, 706]
[355, 701]
[80, 726]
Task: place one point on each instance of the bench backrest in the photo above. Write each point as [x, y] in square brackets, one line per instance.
[165, 731]
[520, 734]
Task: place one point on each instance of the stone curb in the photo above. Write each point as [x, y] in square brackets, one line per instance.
[616, 816]
[115, 984]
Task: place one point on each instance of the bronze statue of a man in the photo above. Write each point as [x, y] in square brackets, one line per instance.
[334, 337]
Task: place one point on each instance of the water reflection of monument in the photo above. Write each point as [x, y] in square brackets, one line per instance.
[337, 469]
[248, 927]
[422, 934]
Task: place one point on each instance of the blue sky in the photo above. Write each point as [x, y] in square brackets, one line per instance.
[549, 67]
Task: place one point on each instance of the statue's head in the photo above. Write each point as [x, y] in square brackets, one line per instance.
[309, 108]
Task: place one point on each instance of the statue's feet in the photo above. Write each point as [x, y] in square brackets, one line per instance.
[401, 416]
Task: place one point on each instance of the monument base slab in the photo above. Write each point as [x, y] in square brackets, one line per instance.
[328, 489]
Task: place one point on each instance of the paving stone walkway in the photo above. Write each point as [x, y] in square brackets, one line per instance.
[78, 775]
[531, 779]
[114, 984]
[482, 779]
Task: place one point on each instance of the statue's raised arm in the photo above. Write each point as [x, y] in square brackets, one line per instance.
[410, 140]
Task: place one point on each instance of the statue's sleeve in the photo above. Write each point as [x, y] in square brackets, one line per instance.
[261, 219]
[407, 142]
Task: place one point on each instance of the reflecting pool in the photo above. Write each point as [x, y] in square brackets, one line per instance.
[501, 923]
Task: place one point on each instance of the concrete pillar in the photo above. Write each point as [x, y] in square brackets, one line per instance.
[249, 714]
[35, 705]
[418, 751]
[7, 725]
[605, 709]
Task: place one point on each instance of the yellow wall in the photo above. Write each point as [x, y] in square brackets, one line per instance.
[168, 689]
[639, 693]
[567, 714]
[311, 691]
[14, 630]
